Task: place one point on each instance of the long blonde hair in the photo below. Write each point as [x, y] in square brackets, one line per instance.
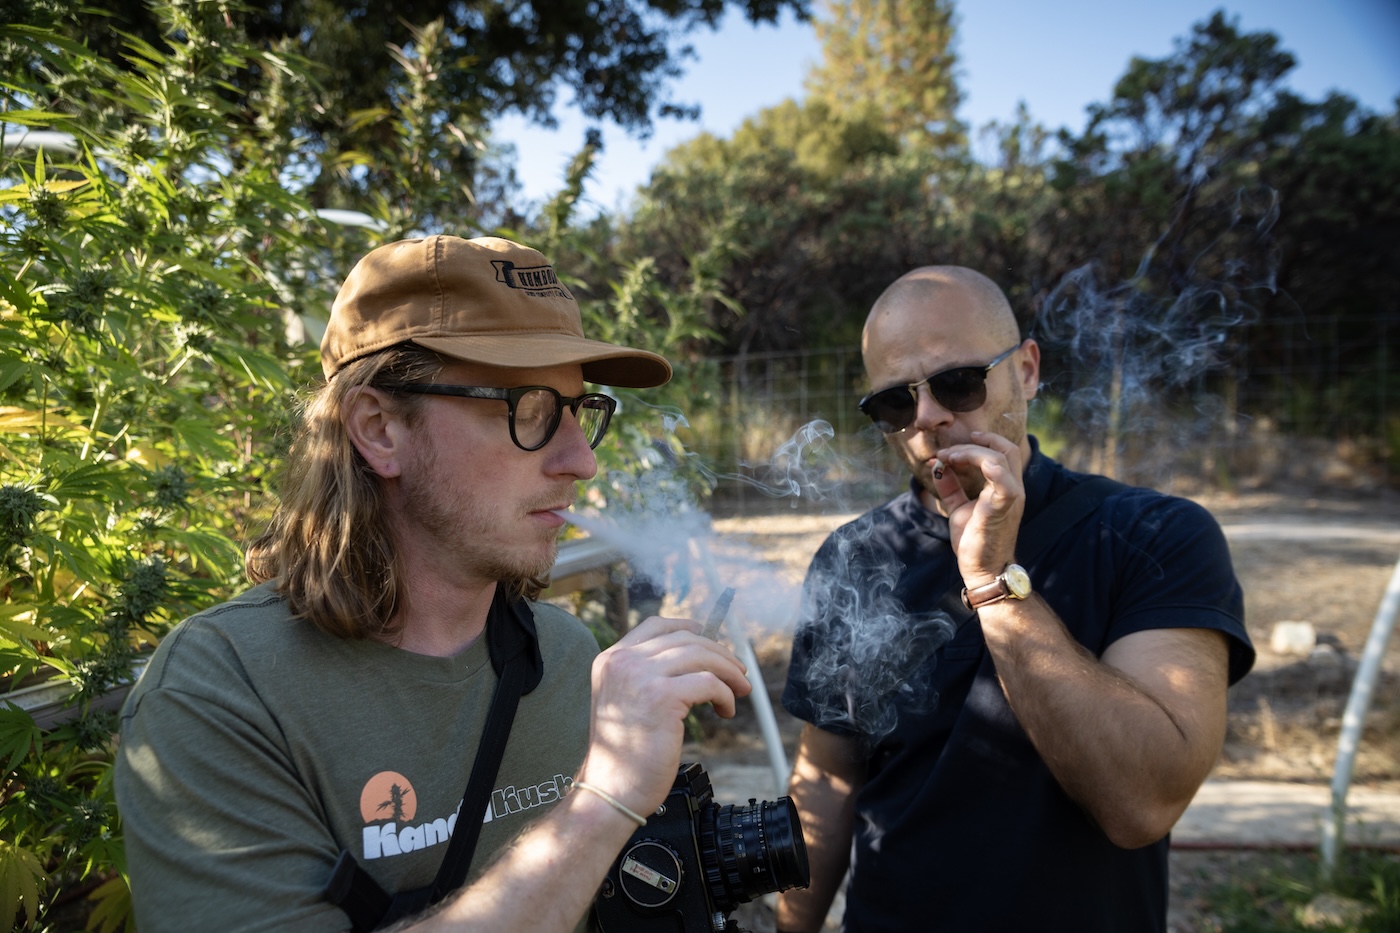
[329, 546]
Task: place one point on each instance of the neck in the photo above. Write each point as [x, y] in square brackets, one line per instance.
[443, 621]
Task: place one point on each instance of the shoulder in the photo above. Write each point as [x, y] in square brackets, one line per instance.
[224, 644]
[1173, 552]
[561, 632]
[1132, 511]
[1146, 512]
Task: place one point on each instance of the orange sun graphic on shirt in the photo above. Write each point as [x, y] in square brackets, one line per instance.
[388, 796]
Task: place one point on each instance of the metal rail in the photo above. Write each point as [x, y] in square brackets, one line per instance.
[1353, 720]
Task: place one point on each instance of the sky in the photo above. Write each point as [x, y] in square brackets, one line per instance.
[1057, 57]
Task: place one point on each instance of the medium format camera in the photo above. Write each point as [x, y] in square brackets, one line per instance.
[695, 861]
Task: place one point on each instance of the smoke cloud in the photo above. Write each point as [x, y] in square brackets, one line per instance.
[652, 518]
[871, 658]
[1136, 358]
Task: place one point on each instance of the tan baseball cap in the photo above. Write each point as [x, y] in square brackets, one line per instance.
[486, 300]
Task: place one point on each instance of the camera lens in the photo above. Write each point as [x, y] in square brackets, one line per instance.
[752, 850]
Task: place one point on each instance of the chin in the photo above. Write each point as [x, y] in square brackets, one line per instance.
[541, 566]
[522, 561]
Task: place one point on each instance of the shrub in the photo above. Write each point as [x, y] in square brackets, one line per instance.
[148, 342]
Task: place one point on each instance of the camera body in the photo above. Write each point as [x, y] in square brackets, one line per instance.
[695, 861]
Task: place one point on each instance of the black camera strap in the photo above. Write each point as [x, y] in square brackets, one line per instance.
[515, 654]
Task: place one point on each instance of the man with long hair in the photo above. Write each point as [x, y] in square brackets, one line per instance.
[330, 715]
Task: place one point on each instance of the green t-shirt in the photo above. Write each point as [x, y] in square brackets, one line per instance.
[256, 747]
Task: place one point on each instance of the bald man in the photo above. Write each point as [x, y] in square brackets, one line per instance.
[991, 746]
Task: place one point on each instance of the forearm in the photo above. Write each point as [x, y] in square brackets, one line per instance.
[547, 878]
[825, 803]
[543, 882]
[1129, 745]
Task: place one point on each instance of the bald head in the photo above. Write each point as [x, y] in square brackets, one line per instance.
[934, 321]
[953, 295]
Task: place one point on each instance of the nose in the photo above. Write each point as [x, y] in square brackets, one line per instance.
[928, 414]
[568, 453]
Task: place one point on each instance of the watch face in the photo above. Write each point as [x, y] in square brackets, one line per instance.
[1017, 580]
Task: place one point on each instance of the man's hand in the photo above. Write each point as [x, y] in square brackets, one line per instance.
[983, 529]
[643, 688]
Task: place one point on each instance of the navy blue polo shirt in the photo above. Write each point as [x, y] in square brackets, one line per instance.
[960, 826]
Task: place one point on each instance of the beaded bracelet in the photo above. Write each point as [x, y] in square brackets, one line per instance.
[616, 804]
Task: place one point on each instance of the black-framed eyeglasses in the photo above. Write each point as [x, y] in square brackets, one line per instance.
[963, 388]
[535, 411]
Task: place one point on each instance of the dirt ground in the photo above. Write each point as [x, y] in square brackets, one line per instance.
[1323, 561]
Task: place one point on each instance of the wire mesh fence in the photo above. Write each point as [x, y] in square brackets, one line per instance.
[784, 432]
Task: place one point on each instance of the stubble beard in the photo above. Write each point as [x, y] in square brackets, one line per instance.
[465, 527]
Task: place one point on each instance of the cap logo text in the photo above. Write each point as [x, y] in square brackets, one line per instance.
[537, 280]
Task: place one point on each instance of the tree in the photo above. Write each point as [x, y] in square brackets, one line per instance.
[1328, 342]
[819, 210]
[1009, 205]
[1178, 137]
[1163, 238]
[814, 206]
[806, 210]
[616, 56]
[893, 58]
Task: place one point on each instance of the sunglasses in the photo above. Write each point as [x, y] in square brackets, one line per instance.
[535, 411]
[961, 389]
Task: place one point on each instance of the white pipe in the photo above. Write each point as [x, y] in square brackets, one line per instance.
[763, 707]
[351, 219]
[1362, 687]
[53, 140]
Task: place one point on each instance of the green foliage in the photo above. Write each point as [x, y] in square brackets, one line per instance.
[160, 280]
[420, 147]
[1272, 894]
[892, 59]
[144, 362]
[617, 58]
[20, 878]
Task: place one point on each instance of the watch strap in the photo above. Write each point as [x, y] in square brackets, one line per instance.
[976, 597]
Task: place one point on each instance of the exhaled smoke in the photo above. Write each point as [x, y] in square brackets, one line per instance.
[686, 560]
[871, 667]
[800, 469]
[868, 659]
[652, 518]
[1144, 362]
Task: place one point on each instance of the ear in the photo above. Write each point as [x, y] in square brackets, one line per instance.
[1028, 368]
[376, 429]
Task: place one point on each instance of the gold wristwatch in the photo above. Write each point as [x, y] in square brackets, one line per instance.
[1012, 583]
